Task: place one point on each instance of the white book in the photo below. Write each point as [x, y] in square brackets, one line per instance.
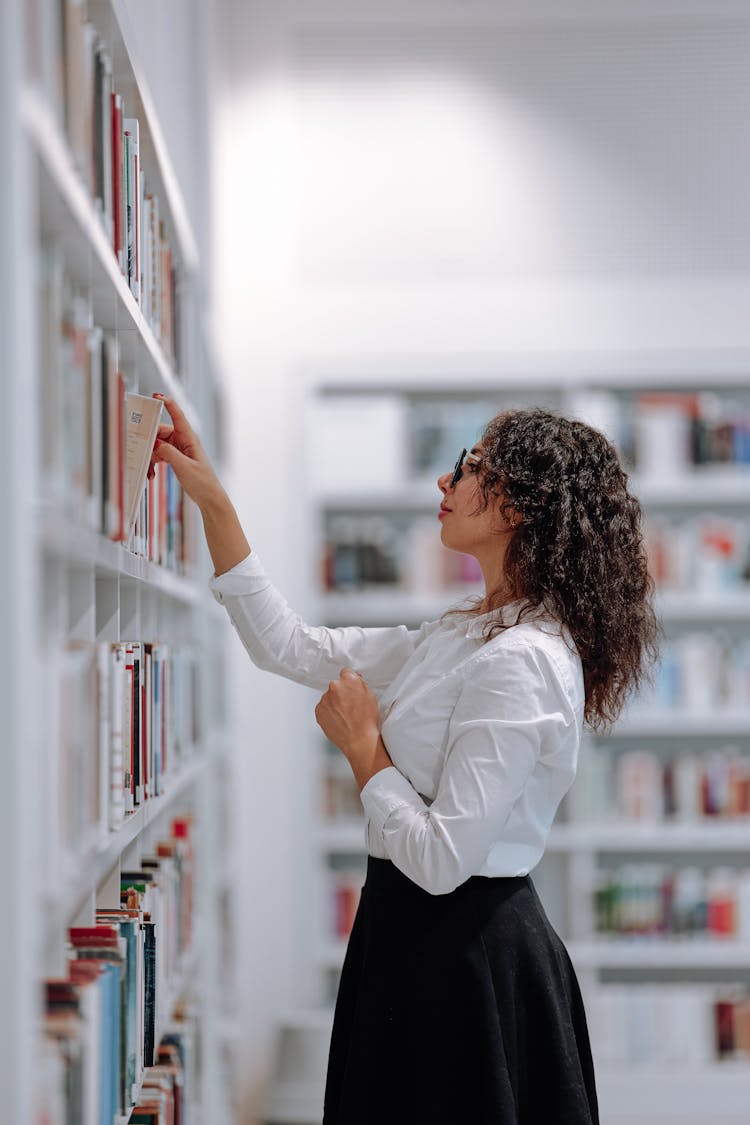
[75, 409]
[146, 229]
[148, 782]
[91, 999]
[662, 439]
[117, 714]
[95, 425]
[158, 713]
[108, 215]
[138, 688]
[127, 729]
[114, 439]
[52, 367]
[103, 757]
[132, 206]
[143, 415]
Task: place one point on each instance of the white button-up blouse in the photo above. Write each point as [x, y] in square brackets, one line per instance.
[484, 736]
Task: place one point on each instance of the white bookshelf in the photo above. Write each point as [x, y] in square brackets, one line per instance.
[574, 849]
[60, 580]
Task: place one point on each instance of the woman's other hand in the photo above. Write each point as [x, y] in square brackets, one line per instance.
[179, 446]
[348, 716]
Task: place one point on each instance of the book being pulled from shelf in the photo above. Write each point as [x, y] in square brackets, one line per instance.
[98, 436]
[668, 1025]
[125, 720]
[110, 1041]
[72, 66]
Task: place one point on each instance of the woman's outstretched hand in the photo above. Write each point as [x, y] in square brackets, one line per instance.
[179, 446]
[348, 716]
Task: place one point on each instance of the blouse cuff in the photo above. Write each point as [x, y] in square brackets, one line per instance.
[235, 581]
[386, 791]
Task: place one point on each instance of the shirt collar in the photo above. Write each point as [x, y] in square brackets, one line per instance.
[473, 625]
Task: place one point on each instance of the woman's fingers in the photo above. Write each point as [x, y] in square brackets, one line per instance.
[185, 437]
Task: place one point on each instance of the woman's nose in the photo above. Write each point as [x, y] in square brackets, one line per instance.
[444, 482]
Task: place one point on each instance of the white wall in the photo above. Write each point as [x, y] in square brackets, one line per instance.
[410, 186]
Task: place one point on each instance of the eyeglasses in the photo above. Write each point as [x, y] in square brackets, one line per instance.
[458, 471]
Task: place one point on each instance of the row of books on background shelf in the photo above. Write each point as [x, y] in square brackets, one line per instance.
[701, 555]
[98, 436]
[384, 438]
[647, 787]
[107, 1040]
[702, 673]
[126, 719]
[669, 1025]
[672, 433]
[345, 887]
[654, 900]
[341, 800]
[72, 63]
[392, 551]
[658, 433]
[632, 787]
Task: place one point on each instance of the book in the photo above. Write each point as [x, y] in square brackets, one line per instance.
[132, 205]
[142, 426]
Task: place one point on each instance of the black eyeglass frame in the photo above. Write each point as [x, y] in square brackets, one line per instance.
[458, 471]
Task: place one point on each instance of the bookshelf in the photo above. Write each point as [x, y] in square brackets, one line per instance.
[75, 589]
[375, 516]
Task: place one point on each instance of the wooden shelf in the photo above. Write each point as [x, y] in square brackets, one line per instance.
[75, 544]
[657, 953]
[557, 371]
[348, 836]
[706, 607]
[92, 869]
[694, 837]
[645, 1095]
[705, 487]
[390, 605]
[683, 724]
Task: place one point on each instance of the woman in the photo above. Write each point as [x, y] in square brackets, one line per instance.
[458, 1003]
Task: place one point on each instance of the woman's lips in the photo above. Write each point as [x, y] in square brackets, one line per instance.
[443, 512]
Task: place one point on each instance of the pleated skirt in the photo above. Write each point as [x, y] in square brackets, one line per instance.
[457, 1009]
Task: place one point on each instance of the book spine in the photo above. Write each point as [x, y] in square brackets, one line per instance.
[128, 730]
[106, 143]
[146, 722]
[117, 704]
[149, 992]
[121, 448]
[117, 231]
[137, 718]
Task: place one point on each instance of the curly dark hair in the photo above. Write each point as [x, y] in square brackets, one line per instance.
[578, 551]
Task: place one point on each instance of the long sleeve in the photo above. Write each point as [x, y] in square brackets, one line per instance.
[278, 640]
[511, 749]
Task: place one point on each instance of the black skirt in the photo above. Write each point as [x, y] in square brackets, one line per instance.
[457, 1009]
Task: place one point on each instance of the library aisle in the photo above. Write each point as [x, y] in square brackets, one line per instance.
[343, 237]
